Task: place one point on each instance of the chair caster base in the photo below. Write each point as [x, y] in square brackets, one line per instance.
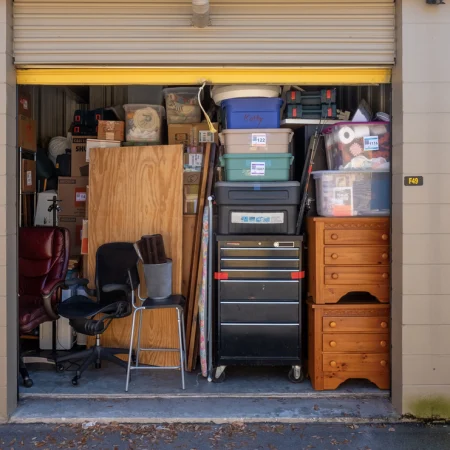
[28, 382]
[75, 381]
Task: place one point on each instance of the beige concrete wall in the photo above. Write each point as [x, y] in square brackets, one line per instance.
[421, 215]
[8, 217]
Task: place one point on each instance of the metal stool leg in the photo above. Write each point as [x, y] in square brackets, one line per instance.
[184, 340]
[131, 350]
[138, 350]
[180, 338]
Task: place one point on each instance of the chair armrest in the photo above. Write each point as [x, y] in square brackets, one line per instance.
[82, 283]
[116, 287]
[47, 294]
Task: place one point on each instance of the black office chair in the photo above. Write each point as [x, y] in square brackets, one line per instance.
[114, 299]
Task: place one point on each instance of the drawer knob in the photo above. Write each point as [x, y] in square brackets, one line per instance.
[335, 276]
[334, 237]
[334, 256]
[385, 275]
[383, 363]
[383, 325]
[333, 363]
[332, 324]
[385, 256]
[383, 343]
[385, 237]
[333, 344]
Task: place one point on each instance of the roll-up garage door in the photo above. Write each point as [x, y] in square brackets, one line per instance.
[252, 32]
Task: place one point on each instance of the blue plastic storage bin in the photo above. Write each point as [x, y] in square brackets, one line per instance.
[247, 113]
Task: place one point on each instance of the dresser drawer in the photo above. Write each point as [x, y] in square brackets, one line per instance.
[356, 362]
[357, 275]
[352, 324]
[356, 237]
[376, 255]
[259, 312]
[355, 342]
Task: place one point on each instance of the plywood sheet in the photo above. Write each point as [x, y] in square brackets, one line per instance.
[135, 191]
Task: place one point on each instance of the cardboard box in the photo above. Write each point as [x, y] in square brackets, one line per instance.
[182, 133]
[97, 143]
[26, 133]
[78, 154]
[84, 238]
[86, 214]
[192, 177]
[111, 130]
[72, 193]
[44, 217]
[28, 175]
[24, 106]
[75, 227]
[191, 192]
[193, 160]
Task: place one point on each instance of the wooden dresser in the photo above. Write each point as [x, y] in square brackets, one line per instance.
[348, 341]
[348, 255]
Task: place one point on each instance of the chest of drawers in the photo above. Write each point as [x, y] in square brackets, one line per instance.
[348, 255]
[348, 341]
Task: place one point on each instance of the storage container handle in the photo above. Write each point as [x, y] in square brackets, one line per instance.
[221, 139]
[291, 135]
[292, 160]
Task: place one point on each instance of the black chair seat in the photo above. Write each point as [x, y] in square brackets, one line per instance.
[80, 306]
[173, 301]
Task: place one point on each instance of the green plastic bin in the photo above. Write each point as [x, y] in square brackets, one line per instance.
[252, 167]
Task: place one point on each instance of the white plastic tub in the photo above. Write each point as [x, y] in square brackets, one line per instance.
[270, 140]
[182, 105]
[143, 123]
[353, 193]
[221, 93]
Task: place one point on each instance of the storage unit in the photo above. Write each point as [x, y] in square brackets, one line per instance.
[348, 341]
[358, 146]
[248, 113]
[257, 208]
[348, 255]
[274, 140]
[264, 167]
[258, 314]
[353, 193]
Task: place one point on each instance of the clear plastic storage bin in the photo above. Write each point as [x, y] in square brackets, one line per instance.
[272, 140]
[143, 123]
[353, 193]
[182, 105]
[358, 146]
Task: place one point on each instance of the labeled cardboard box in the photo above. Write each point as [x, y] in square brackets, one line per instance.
[98, 143]
[75, 227]
[84, 238]
[28, 175]
[193, 160]
[185, 133]
[26, 133]
[72, 193]
[192, 177]
[111, 130]
[24, 106]
[78, 154]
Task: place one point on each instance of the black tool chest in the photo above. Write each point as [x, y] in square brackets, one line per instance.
[258, 306]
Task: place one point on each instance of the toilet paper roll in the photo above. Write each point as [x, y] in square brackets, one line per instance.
[379, 130]
[362, 131]
[346, 135]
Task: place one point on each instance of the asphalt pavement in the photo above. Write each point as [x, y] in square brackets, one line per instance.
[114, 436]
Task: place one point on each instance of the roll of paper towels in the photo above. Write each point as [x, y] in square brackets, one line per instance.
[346, 135]
[362, 131]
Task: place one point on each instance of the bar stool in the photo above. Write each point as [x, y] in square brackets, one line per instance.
[177, 302]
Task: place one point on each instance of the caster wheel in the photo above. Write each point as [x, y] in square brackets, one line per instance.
[220, 379]
[98, 365]
[28, 382]
[60, 368]
[294, 377]
[75, 381]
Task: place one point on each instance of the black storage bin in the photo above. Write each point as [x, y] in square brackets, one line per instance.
[257, 208]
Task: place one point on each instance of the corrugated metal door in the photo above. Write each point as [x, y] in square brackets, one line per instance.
[149, 32]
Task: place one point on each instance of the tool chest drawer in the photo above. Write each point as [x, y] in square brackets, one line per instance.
[260, 263]
[249, 340]
[287, 290]
[259, 312]
[257, 252]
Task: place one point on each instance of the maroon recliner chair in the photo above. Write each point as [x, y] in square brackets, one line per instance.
[43, 262]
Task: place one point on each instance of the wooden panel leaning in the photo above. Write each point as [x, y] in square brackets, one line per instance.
[137, 191]
[348, 255]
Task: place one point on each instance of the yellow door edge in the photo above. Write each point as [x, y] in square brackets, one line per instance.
[196, 75]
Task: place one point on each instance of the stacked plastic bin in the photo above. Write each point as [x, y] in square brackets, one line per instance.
[312, 105]
[257, 196]
[358, 180]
